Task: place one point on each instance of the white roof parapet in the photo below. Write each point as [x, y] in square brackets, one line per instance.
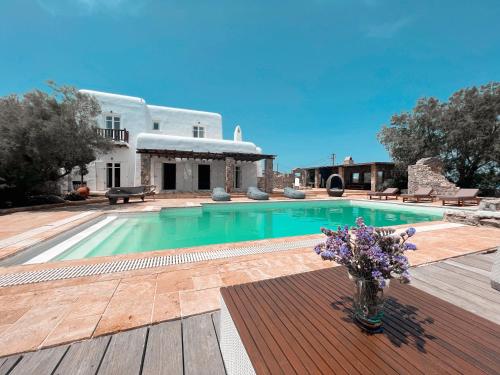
[147, 141]
[182, 110]
[113, 96]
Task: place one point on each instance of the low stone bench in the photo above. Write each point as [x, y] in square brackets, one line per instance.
[476, 217]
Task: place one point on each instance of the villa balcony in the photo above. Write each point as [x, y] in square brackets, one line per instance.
[120, 136]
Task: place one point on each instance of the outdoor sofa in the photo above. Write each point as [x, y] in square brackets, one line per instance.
[126, 193]
[220, 195]
[422, 194]
[387, 193]
[335, 185]
[461, 197]
[257, 194]
[293, 194]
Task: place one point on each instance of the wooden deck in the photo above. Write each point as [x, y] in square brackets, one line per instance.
[302, 324]
[190, 346]
[464, 282]
[187, 346]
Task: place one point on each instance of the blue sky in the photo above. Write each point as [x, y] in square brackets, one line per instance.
[304, 79]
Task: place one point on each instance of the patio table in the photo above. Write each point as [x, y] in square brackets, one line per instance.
[302, 324]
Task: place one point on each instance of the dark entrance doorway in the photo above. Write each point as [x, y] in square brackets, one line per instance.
[169, 176]
[203, 177]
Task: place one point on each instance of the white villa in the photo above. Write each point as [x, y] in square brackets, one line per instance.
[177, 150]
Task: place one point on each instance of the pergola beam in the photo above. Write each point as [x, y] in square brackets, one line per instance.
[237, 156]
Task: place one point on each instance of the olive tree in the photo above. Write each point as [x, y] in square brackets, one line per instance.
[44, 135]
[464, 131]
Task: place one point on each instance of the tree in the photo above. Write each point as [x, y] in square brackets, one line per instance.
[45, 136]
[464, 132]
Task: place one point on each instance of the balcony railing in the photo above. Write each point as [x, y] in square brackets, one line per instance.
[118, 135]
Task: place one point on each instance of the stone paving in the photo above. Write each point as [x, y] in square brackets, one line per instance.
[45, 314]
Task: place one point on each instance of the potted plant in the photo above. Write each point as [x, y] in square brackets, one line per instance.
[373, 256]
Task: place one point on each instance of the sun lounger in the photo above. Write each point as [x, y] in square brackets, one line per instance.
[126, 193]
[461, 197]
[220, 195]
[387, 193]
[335, 185]
[255, 193]
[293, 194]
[421, 195]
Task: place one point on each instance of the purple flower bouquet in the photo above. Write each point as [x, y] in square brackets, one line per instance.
[372, 256]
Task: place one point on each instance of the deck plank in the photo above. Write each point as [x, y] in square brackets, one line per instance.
[457, 299]
[467, 286]
[467, 274]
[124, 354]
[201, 349]
[41, 362]
[164, 349]
[475, 261]
[8, 363]
[84, 357]
[216, 321]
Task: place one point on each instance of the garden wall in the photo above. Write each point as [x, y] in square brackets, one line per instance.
[428, 172]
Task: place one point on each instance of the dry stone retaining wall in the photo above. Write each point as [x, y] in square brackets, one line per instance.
[428, 172]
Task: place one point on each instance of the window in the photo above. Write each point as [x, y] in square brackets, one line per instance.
[112, 175]
[355, 178]
[156, 125]
[237, 177]
[112, 122]
[198, 132]
[380, 176]
[367, 177]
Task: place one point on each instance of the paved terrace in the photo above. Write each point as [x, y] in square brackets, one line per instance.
[34, 316]
[191, 345]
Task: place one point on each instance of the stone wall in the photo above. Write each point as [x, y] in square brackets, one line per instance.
[280, 180]
[428, 172]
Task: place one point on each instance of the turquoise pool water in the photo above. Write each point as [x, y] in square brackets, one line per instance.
[223, 223]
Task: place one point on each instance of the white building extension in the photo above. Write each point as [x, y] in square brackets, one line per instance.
[177, 150]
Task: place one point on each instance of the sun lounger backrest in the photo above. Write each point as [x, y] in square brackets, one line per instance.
[467, 193]
[391, 191]
[423, 191]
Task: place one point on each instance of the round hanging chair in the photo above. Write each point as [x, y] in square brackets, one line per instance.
[335, 185]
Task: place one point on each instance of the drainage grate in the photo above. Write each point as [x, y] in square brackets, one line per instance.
[152, 262]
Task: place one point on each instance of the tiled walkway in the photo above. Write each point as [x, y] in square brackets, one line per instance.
[50, 313]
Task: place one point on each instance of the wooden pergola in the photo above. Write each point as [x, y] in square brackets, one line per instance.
[229, 157]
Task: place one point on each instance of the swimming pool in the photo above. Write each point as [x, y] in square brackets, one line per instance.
[223, 223]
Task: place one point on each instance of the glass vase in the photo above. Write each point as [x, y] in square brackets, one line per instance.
[368, 303]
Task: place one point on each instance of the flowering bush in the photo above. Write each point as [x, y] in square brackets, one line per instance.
[367, 252]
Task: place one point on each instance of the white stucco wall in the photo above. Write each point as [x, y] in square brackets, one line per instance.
[174, 121]
[177, 124]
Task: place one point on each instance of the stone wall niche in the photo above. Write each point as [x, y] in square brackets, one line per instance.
[428, 172]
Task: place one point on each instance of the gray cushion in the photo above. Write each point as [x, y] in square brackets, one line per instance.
[219, 194]
[255, 193]
[294, 194]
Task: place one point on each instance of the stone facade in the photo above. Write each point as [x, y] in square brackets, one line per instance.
[229, 183]
[428, 172]
[280, 180]
[268, 175]
[145, 169]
